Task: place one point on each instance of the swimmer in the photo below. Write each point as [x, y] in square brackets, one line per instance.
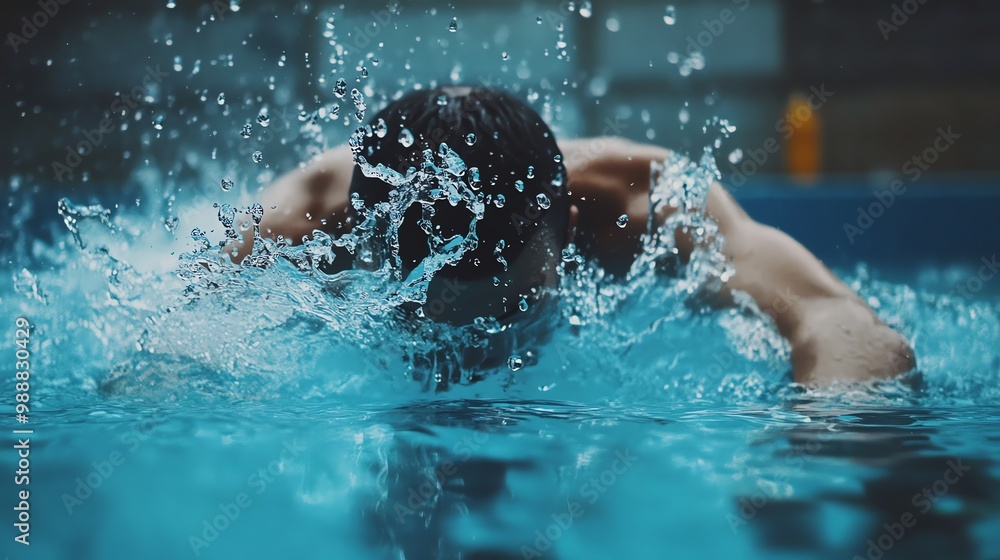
[589, 184]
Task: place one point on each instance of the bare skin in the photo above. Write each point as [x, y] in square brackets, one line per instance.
[834, 335]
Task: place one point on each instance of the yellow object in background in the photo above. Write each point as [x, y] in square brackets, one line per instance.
[803, 139]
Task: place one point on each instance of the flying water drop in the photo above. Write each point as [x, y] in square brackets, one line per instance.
[257, 156]
[515, 362]
[380, 128]
[519, 185]
[453, 26]
[543, 201]
[340, 89]
[622, 221]
[406, 138]
[670, 17]
[227, 184]
[246, 131]
[359, 104]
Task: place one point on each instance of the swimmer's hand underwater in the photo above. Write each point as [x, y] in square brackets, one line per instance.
[834, 336]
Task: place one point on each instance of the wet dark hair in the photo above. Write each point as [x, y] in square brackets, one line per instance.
[510, 138]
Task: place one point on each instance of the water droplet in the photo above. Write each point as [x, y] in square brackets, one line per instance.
[519, 185]
[221, 99]
[500, 200]
[380, 128]
[340, 89]
[171, 4]
[227, 184]
[684, 116]
[558, 158]
[523, 304]
[622, 221]
[453, 26]
[538, 20]
[234, 5]
[504, 55]
[543, 201]
[736, 156]
[359, 104]
[496, 281]
[263, 118]
[586, 10]
[406, 138]
[515, 362]
[246, 131]
[613, 24]
[670, 17]
[474, 178]
[158, 122]
[497, 253]
[531, 171]
[257, 156]
[470, 138]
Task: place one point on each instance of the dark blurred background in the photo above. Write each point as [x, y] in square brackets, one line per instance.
[895, 72]
[940, 66]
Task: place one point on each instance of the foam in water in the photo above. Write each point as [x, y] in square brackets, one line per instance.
[137, 321]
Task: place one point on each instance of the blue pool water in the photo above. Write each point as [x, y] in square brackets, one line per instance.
[261, 413]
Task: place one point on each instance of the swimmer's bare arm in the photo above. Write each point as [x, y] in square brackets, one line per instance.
[834, 335]
[313, 197]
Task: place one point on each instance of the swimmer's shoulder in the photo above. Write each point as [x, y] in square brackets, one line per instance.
[608, 166]
[314, 196]
[610, 154]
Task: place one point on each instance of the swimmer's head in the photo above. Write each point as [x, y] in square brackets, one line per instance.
[518, 161]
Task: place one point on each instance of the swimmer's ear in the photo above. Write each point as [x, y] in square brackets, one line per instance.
[574, 214]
